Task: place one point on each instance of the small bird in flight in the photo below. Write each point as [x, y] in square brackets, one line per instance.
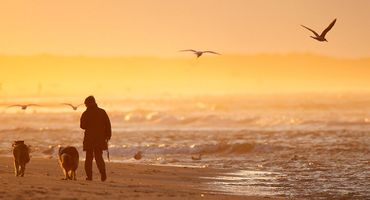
[72, 106]
[321, 37]
[199, 53]
[22, 106]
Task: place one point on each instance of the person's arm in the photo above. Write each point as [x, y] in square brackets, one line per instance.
[108, 127]
[83, 121]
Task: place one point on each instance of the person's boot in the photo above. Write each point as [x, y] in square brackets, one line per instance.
[89, 175]
[88, 171]
[103, 176]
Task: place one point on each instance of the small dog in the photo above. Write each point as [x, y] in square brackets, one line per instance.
[68, 159]
[21, 157]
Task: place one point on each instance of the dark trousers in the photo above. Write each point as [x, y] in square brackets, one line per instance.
[90, 154]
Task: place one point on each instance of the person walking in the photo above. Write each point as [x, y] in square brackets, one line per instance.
[98, 132]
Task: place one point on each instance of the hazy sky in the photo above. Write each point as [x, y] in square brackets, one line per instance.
[162, 27]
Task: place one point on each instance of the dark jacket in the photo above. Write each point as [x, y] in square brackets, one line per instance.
[96, 124]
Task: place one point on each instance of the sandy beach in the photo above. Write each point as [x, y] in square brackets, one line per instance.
[125, 181]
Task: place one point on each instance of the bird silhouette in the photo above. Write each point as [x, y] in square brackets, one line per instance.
[138, 155]
[22, 106]
[72, 106]
[321, 37]
[199, 53]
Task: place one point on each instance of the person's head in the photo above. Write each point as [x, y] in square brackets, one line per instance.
[90, 101]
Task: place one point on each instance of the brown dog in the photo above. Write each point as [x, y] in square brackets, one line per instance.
[21, 157]
[68, 159]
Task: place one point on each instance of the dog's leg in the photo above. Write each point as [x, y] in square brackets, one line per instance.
[74, 174]
[61, 166]
[69, 173]
[23, 168]
[65, 174]
[16, 168]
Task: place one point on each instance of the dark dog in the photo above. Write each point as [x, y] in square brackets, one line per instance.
[21, 157]
[68, 159]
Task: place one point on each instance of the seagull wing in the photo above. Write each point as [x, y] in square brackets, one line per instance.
[70, 105]
[211, 52]
[314, 32]
[191, 50]
[328, 29]
[16, 105]
[33, 105]
[77, 106]
[28, 105]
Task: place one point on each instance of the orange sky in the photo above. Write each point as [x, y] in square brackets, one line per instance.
[161, 27]
[274, 51]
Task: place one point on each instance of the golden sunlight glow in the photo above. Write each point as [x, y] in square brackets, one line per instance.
[121, 76]
[132, 47]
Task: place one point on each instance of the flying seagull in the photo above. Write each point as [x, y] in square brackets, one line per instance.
[321, 37]
[199, 53]
[22, 106]
[71, 105]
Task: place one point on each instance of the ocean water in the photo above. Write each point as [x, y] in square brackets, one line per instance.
[298, 147]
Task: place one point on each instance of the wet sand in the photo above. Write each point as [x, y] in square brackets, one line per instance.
[125, 181]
